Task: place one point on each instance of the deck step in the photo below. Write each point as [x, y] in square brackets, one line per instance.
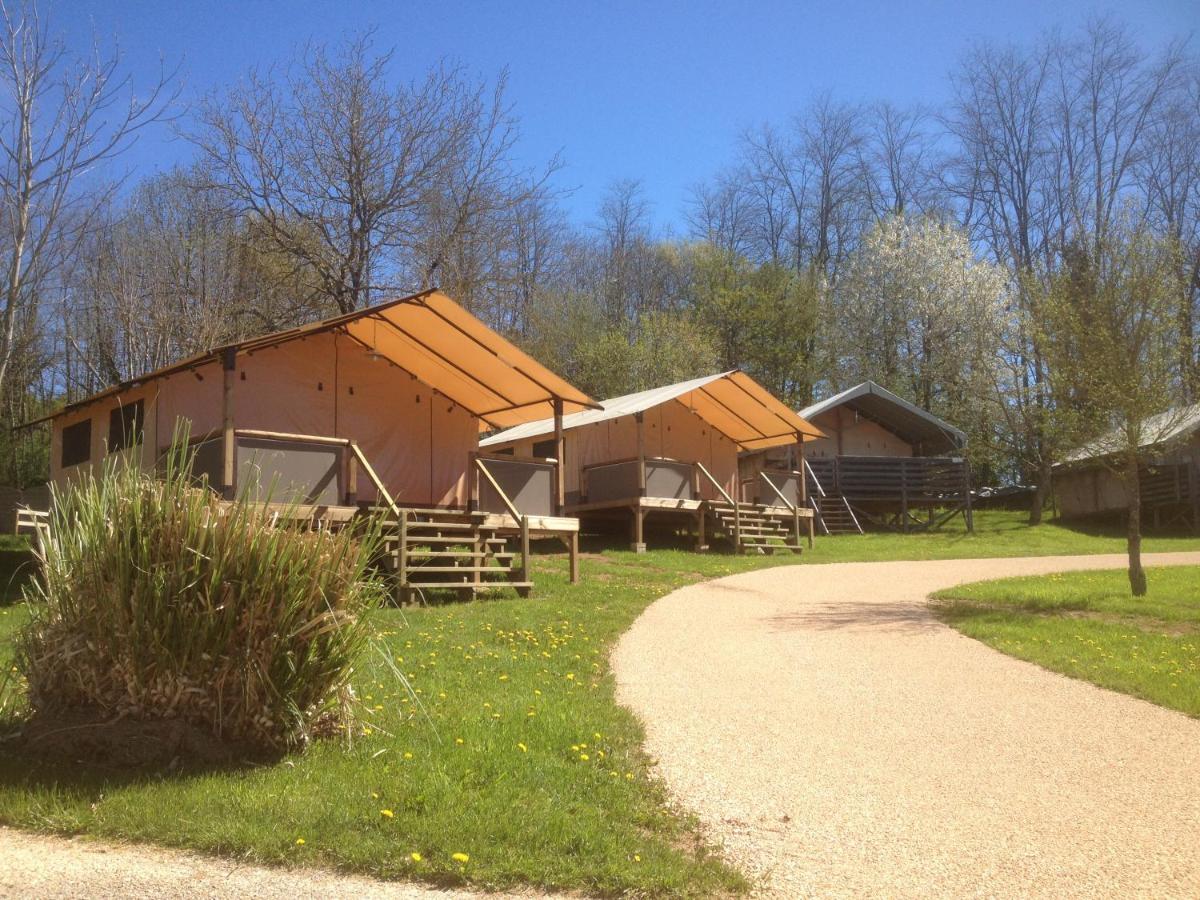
[467, 585]
[499, 570]
[419, 539]
[457, 554]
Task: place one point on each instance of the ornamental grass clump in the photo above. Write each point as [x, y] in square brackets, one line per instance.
[157, 603]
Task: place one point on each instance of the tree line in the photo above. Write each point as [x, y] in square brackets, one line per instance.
[946, 253]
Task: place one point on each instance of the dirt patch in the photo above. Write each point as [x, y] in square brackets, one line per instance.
[81, 736]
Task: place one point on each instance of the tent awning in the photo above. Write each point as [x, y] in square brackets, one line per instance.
[437, 341]
[731, 402]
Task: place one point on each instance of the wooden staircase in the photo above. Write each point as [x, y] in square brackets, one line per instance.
[834, 515]
[752, 527]
[833, 512]
[448, 550]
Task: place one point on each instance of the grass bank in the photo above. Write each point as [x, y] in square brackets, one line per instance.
[513, 753]
[1086, 625]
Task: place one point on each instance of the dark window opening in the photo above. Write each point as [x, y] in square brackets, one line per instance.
[544, 449]
[77, 443]
[507, 451]
[125, 426]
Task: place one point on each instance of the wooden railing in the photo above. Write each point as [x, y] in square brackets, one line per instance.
[34, 522]
[350, 462]
[531, 489]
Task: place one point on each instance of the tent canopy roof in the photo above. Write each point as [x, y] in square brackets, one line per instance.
[731, 402]
[908, 421]
[437, 341]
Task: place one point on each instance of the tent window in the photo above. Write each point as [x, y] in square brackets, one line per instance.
[544, 449]
[125, 426]
[77, 443]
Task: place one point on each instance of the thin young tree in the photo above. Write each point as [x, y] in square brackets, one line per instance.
[1107, 321]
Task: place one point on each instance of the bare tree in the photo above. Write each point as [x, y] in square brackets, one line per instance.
[367, 184]
[61, 118]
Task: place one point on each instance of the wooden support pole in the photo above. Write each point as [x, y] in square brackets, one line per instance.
[968, 512]
[560, 468]
[640, 419]
[639, 541]
[229, 444]
[573, 551]
[701, 523]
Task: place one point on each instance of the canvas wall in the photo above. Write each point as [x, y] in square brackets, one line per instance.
[671, 431]
[416, 440]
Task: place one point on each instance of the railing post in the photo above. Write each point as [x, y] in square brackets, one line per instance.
[802, 491]
[402, 559]
[229, 444]
[351, 477]
[737, 523]
[525, 549]
[473, 500]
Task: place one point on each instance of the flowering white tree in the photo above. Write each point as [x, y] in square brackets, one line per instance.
[919, 313]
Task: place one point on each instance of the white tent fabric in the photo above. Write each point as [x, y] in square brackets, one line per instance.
[731, 402]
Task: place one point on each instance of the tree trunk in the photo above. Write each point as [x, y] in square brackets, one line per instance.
[1137, 575]
[1040, 492]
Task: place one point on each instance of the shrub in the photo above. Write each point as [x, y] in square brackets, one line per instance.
[156, 601]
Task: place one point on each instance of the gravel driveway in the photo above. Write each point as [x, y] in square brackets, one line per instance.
[50, 867]
[837, 740]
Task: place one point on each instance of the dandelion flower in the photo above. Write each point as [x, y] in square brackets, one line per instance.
[458, 740]
[460, 857]
[387, 813]
[408, 756]
[583, 756]
[300, 842]
[416, 857]
[522, 748]
[636, 858]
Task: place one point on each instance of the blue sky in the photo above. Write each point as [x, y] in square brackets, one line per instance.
[653, 90]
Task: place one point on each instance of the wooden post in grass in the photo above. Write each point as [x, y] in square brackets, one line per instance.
[229, 446]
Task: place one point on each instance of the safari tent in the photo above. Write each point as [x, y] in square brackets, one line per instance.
[382, 407]
[672, 453]
[882, 460]
[1086, 484]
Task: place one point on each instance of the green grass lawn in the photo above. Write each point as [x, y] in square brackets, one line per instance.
[1086, 625]
[514, 751]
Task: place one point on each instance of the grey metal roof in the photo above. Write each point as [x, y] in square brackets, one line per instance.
[731, 402]
[1161, 428]
[907, 420]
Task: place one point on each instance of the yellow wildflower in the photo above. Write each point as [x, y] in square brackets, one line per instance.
[387, 813]
[416, 857]
[522, 748]
[460, 857]
[300, 841]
